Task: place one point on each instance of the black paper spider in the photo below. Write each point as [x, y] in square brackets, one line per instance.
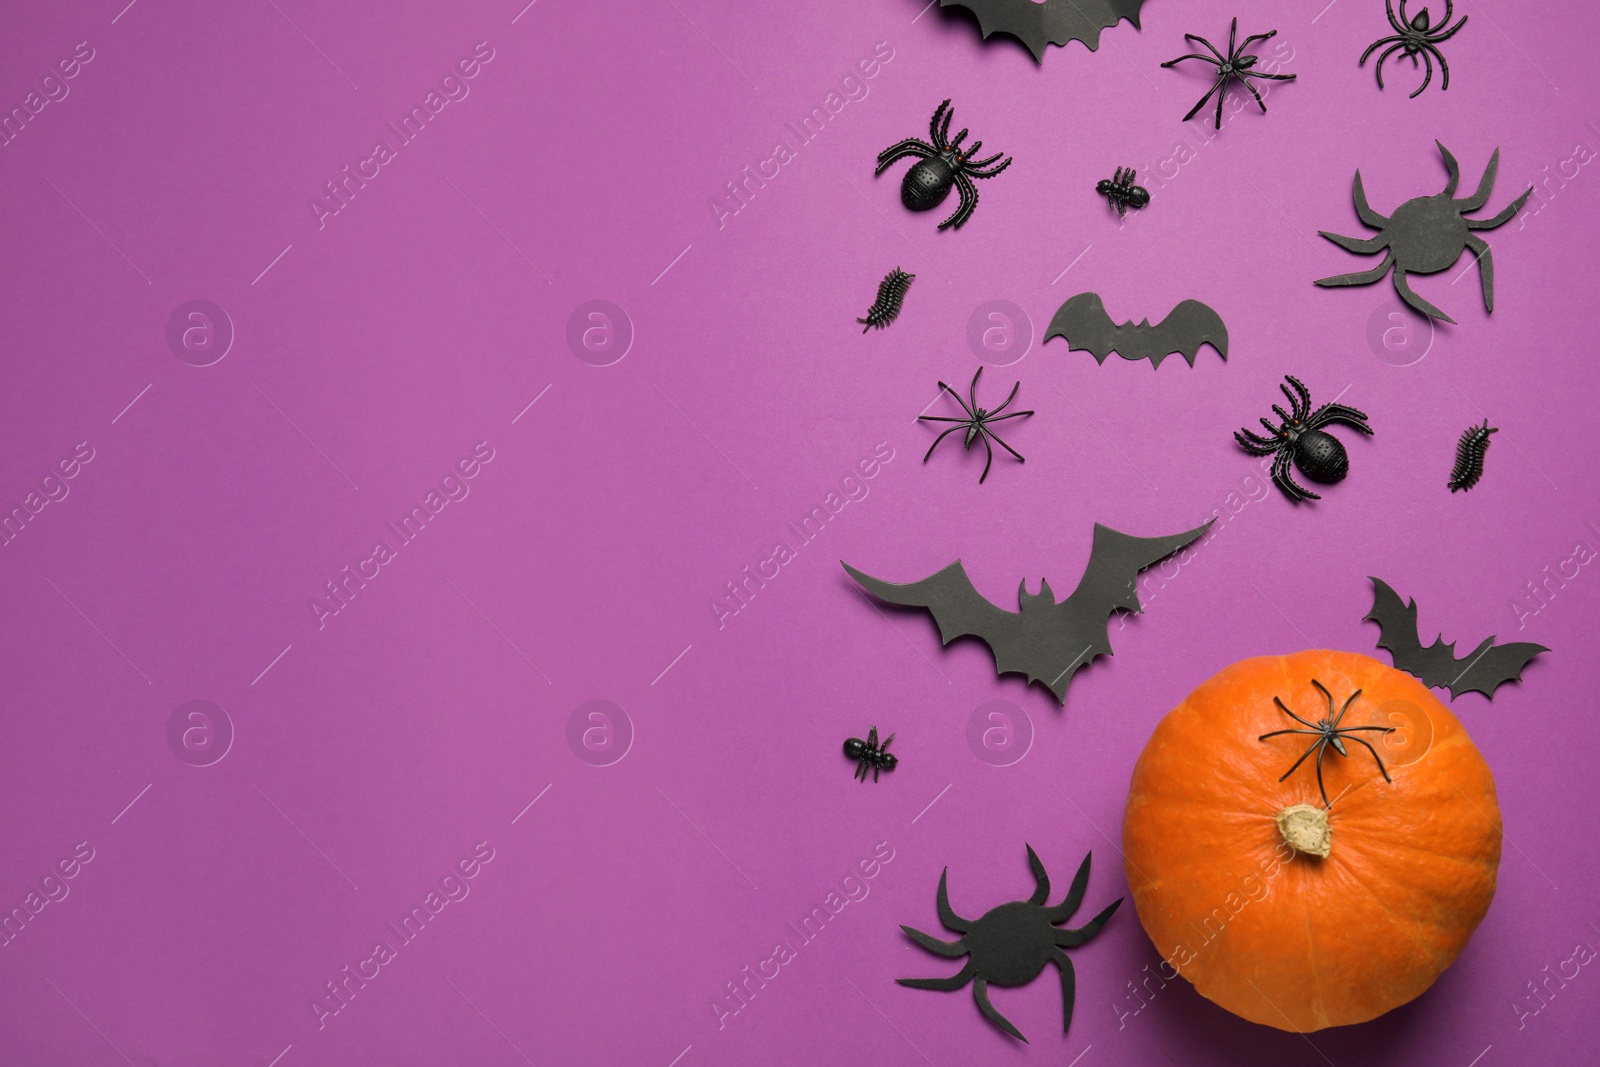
[1418, 37]
[1299, 437]
[869, 755]
[1427, 234]
[1010, 944]
[1235, 66]
[976, 423]
[1328, 733]
[1121, 191]
[942, 164]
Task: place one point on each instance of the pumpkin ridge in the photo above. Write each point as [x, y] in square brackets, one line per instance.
[1407, 924]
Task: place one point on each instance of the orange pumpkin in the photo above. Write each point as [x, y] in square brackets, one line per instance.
[1281, 909]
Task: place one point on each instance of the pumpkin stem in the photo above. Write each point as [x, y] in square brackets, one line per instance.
[1305, 829]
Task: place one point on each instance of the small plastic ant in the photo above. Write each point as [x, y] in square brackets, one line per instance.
[869, 754]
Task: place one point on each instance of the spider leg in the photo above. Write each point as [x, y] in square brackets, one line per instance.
[1346, 416]
[1454, 168]
[1423, 52]
[1253, 444]
[933, 125]
[1190, 55]
[1364, 212]
[1322, 751]
[909, 147]
[1208, 46]
[1329, 698]
[1073, 938]
[1222, 96]
[1069, 988]
[1316, 747]
[1373, 47]
[1193, 111]
[1285, 709]
[943, 140]
[972, 411]
[1444, 67]
[1447, 34]
[1009, 399]
[941, 437]
[1387, 52]
[1356, 244]
[1381, 767]
[1285, 478]
[1448, 12]
[1361, 277]
[1305, 396]
[1008, 415]
[1485, 268]
[1041, 878]
[959, 138]
[947, 915]
[948, 949]
[969, 200]
[943, 985]
[989, 459]
[972, 391]
[1504, 216]
[1282, 414]
[1270, 428]
[1246, 83]
[980, 993]
[1069, 903]
[1256, 37]
[1404, 22]
[1233, 36]
[939, 418]
[1280, 733]
[1269, 77]
[1403, 287]
[986, 173]
[991, 436]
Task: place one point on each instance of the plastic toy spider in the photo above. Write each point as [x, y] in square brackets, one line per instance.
[1121, 191]
[1300, 438]
[1010, 944]
[1418, 37]
[943, 164]
[869, 755]
[1427, 234]
[1235, 66]
[1329, 734]
[976, 423]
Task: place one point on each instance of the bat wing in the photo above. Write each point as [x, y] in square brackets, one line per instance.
[1083, 321]
[1187, 327]
[1109, 584]
[1436, 665]
[1052, 22]
[1020, 644]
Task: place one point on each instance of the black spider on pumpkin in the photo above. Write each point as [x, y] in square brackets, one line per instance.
[1010, 944]
[941, 165]
[1328, 734]
[1418, 37]
[1427, 234]
[1300, 438]
[1235, 66]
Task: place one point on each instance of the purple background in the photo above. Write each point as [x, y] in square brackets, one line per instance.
[375, 350]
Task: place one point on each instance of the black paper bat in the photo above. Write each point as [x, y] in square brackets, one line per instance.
[1052, 22]
[1485, 670]
[1046, 641]
[1083, 321]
